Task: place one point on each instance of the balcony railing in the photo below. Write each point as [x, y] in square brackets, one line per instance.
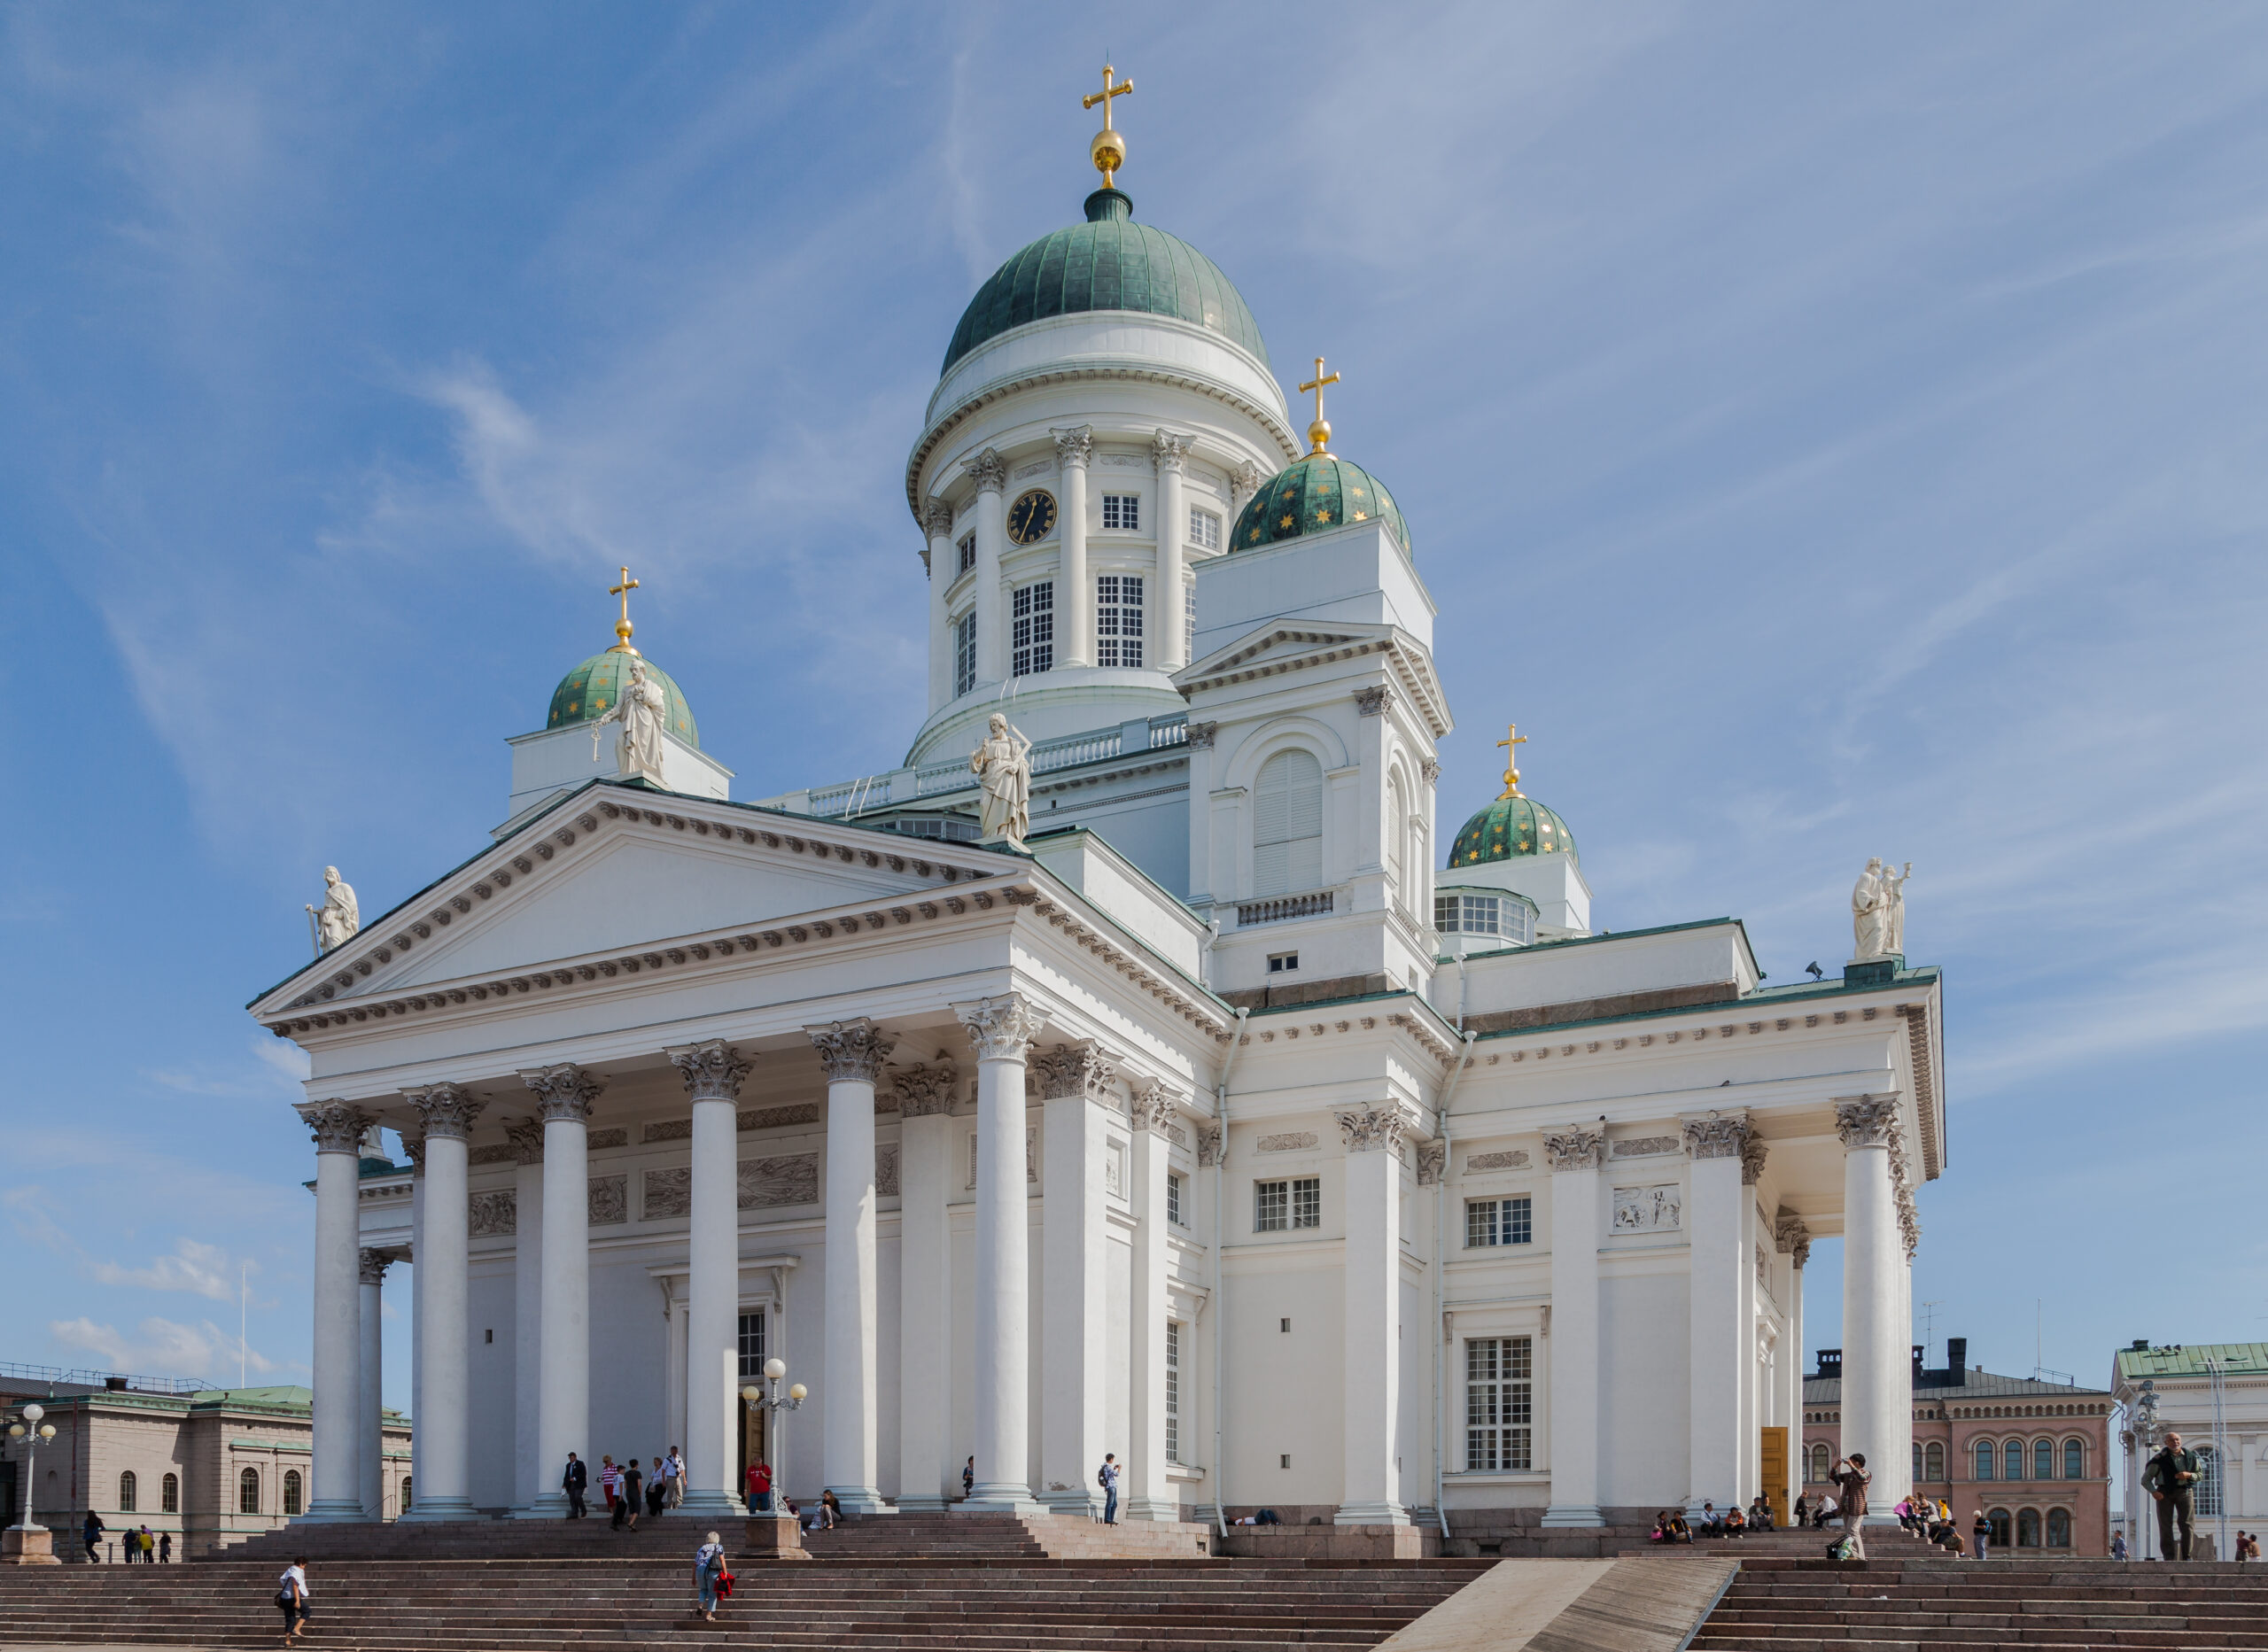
[904, 786]
[1313, 904]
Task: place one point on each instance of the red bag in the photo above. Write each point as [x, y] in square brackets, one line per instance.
[723, 1585]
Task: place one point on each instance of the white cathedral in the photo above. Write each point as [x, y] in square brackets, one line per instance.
[1198, 1120]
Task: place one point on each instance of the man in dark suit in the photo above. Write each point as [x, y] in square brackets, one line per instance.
[574, 1482]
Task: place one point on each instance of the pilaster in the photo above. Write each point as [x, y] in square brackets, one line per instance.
[1371, 1491]
[943, 565]
[989, 472]
[1169, 453]
[1075, 600]
[1150, 1495]
[1575, 1156]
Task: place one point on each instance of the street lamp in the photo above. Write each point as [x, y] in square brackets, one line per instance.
[775, 1369]
[31, 1430]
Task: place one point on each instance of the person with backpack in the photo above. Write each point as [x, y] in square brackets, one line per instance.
[292, 1598]
[1107, 1476]
[707, 1571]
[92, 1532]
[1850, 1482]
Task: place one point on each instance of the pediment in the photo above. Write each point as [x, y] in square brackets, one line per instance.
[1282, 646]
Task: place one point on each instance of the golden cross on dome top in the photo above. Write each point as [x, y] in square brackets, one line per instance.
[1319, 432]
[1512, 738]
[1108, 149]
[622, 626]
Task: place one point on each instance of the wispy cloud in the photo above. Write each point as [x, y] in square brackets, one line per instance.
[205, 1270]
[162, 1347]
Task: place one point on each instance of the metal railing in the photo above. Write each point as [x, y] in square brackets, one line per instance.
[11, 1371]
[902, 785]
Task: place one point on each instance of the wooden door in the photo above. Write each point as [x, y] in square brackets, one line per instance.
[1772, 1451]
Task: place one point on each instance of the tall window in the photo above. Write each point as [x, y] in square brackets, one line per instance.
[1189, 620]
[169, 1494]
[1987, 1456]
[1933, 1462]
[405, 1496]
[1499, 1400]
[2075, 1460]
[1499, 1221]
[2028, 1528]
[2059, 1528]
[1122, 512]
[1279, 1205]
[1173, 1391]
[752, 1354]
[248, 1492]
[2208, 1483]
[2043, 1460]
[1287, 824]
[1118, 619]
[2004, 1529]
[1033, 635]
[126, 1490]
[964, 653]
[966, 555]
[291, 1484]
[2012, 1460]
[1204, 528]
[1917, 1462]
[1397, 815]
[1177, 1188]
[1819, 1463]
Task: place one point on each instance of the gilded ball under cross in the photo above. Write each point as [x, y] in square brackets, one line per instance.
[1109, 152]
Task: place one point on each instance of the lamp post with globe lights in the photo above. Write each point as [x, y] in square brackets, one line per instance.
[768, 1399]
[25, 1543]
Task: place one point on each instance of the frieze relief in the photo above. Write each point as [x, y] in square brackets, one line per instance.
[885, 1170]
[668, 1193]
[1645, 1146]
[492, 1215]
[609, 1201]
[784, 1179]
[1659, 1209]
[1516, 1159]
[1290, 1142]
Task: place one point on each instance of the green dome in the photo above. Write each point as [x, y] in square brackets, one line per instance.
[589, 691]
[1509, 826]
[1321, 492]
[1107, 263]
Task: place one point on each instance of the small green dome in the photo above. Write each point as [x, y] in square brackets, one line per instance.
[1319, 493]
[1509, 826]
[1109, 262]
[589, 691]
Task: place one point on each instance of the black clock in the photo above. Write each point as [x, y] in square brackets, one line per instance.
[1032, 517]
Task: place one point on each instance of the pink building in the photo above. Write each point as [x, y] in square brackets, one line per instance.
[2034, 1457]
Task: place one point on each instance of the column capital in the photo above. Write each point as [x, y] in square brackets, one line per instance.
[855, 1049]
[1074, 446]
[1200, 735]
[526, 1139]
[924, 1089]
[374, 1265]
[1062, 1070]
[448, 1110]
[337, 1126]
[1374, 702]
[562, 1091]
[711, 1070]
[1372, 1130]
[1153, 1107]
[937, 519]
[1170, 451]
[1244, 482]
[1752, 1155]
[1909, 1223]
[1718, 1135]
[1432, 1158]
[1790, 1236]
[413, 1143]
[1867, 1121]
[989, 471]
[1001, 1028]
[1578, 1148]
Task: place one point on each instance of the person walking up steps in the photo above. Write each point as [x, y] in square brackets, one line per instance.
[1107, 1476]
[2172, 1477]
[708, 1566]
[92, 1532]
[1850, 1482]
[292, 1598]
[575, 1482]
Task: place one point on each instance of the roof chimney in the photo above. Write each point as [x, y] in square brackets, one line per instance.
[1957, 1359]
[1830, 1364]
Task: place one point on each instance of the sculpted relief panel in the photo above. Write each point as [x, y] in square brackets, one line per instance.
[1649, 1209]
[785, 1179]
[494, 1214]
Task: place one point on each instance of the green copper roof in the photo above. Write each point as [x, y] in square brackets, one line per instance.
[586, 693]
[1109, 262]
[1509, 826]
[1321, 492]
[2236, 1358]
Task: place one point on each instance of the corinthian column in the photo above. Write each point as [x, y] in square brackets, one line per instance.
[1150, 1495]
[851, 1053]
[712, 1072]
[338, 1128]
[413, 1145]
[528, 1477]
[564, 1096]
[938, 524]
[1002, 1029]
[989, 472]
[369, 1419]
[925, 1361]
[1877, 1387]
[1170, 454]
[1718, 1336]
[1075, 601]
[1370, 1494]
[445, 1490]
[1576, 1227]
[1074, 1090]
[1792, 1239]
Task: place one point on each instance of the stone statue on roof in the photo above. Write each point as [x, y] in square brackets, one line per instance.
[339, 917]
[641, 710]
[1878, 910]
[1002, 767]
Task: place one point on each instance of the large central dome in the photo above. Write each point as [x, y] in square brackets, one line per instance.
[1109, 262]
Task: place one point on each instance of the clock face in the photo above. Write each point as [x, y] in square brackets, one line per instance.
[1032, 517]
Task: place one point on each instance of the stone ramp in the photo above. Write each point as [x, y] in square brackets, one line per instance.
[1648, 1605]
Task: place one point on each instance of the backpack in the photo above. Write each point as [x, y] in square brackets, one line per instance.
[1102, 1476]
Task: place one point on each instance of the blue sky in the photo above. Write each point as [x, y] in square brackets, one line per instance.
[1830, 432]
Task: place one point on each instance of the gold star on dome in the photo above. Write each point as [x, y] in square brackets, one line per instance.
[1286, 523]
[1361, 515]
[1322, 516]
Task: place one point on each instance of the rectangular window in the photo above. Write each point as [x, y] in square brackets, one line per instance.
[1489, 1222]
[1189, 620]
[1499, 1398]
[752, 1355]
[964, 653]
[1033, 638]
[1204, 528]
[967, 555]
[1122, 512]
[1173, 1392]
[1271, 1206]
[1282, 963]
[1118, 619]
[1306, 1202]
[1176, 1185]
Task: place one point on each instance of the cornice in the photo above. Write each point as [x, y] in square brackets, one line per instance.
[1327, 645]
[1300, 1021]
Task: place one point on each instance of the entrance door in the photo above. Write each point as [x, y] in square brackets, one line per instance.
[1774, 1450]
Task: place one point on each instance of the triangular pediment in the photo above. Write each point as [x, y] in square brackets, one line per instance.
[1283, 646]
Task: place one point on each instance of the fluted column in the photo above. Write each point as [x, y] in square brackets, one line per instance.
[1075, 597]
[444, 1490]
[1170, 454]
[989, 472]
[1875, 1384]
[851, 1053]
[1002, 1029]
[713, 1071]
[369, 1418]
[528, 1478]
[412, 1144]
[338, 1129]
[1149, 1494]
[938, 524]
[1370, 1494]
[1074, 1090]
[1576, 1226]
[924, 1350]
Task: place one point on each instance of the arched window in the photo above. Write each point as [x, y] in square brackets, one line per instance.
[2059, 1528]
[126, 1488]
[2028, 1529]
[1933, 1462]
[1917, 1460]
[2003, 1528]
[2012, 1458]
[2075, 1460]
[1287, 824]
[248, 1492]
[292, 1492]
[169, 1494]
[1986, 1459]
[1819, 1463]
[2043, 1460]
[405, 1496]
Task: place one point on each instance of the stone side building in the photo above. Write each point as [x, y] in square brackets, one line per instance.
[2034, 1457]
[2180, 1381]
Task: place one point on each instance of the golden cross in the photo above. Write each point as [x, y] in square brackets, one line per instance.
[1106, 94]
[622, 625]
[1108, 150]
[1513, 737]
[1319, 432]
